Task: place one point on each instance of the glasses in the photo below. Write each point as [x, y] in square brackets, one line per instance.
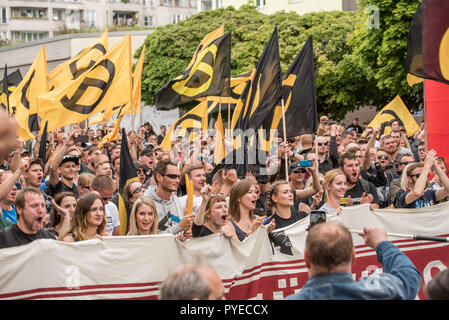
[440, 159]
[140, 171]
[300, 171]
[421, 150]
[380, 157]
[415, 175]
[173, 176]
[139, 189]
[322, 144]
[106, 199]
[86, 187]
[406, 163]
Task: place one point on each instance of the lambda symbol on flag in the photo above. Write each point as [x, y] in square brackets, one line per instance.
[71, 103]
[24, 98]
[74, 68]
[204, 67]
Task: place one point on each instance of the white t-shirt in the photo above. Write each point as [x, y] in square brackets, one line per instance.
[112, 217]
[196, 203]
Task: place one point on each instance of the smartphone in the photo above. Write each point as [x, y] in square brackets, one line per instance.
[305, 163]
[343, 201]
[317, 216]
[82, 139]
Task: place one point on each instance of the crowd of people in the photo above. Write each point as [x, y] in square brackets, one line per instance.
[74, 195]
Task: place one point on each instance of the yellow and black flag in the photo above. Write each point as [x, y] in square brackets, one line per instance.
[428, 42]
[9, 82]
[190, 123]
[207, 75]
[82, 62]
[23, 100]
[395, 110]
[298, 92]
[128, 173]
[108, 82]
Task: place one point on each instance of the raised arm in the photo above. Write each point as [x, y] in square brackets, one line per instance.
[54, 166]
[421, 183]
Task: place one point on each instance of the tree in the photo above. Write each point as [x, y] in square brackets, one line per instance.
[381, 48]
[341, 83]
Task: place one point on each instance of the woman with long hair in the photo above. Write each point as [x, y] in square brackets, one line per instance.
[89, 220]
[281, 199]
[143, 219]
[64, 205]
[242, 202]
[335, 187]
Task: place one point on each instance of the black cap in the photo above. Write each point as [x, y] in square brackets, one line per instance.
[295, 166]
[69, 157]
[146, 152]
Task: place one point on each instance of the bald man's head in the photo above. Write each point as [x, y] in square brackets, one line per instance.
[192, 282]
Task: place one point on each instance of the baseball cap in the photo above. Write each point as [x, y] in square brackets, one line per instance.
[295, 166]
[69, 157]
[146, 152]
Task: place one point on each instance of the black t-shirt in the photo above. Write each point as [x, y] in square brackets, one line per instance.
[60, 187]
[13, 236]
[295, 216]
[358, 190]
[200, 231]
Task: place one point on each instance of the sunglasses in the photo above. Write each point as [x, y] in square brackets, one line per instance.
[86, 187]
[380, 157]
[140, 171]
[106, 199]
[406, 163]
[415, 175]
[139, 189]
[322, 144]
[173, 176]
[300, 171]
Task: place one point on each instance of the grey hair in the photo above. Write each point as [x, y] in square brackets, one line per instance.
[185, 283]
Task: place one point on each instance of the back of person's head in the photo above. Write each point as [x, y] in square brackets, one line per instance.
[218, 177]
[274, 189]
[306, 139]
[329, 245]
[238, 190]
[102, 182]
[185, 283]
[133, 230]
[438, 287]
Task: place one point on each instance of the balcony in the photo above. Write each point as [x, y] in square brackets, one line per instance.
[179, 3]
[125, 19]
[29, 13]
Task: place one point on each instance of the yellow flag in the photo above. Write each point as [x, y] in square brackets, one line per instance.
[108, 82]
[412, 80]
[82, 62]
[396, 109]
[219, 149]
[137, 82]
[207, 40]
[189, 122]
[23, 100]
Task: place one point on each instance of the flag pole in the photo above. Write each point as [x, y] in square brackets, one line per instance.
[285, 138]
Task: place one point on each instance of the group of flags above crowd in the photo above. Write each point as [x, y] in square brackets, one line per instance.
[99, 81]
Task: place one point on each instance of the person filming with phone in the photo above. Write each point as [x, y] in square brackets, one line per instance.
[329, 255]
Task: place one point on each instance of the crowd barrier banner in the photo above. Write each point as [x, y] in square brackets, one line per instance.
[260, 267]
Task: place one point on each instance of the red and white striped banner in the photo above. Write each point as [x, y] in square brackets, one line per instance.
[257, 268]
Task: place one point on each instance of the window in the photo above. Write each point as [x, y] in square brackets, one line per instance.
[260, 3]
[27, 36]
[218, 4]
[3, 36]
[30, 13]
[3, 15]
[148, 21]
[176, 18]
[91, 17]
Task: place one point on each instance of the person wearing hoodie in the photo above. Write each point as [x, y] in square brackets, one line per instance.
[171, 217]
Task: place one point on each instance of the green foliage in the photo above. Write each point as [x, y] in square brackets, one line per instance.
[353, 66]
[382, 51]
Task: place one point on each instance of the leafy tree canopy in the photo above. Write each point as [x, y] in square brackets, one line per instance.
[345, 76]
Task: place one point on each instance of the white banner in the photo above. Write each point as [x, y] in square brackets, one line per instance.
[257, 268]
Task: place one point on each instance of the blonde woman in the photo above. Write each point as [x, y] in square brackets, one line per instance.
[335, 186]
[88, 221]
[281, 199]
[143, 219]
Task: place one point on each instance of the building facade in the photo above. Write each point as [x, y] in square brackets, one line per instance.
[31, 20]
[298, 6]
